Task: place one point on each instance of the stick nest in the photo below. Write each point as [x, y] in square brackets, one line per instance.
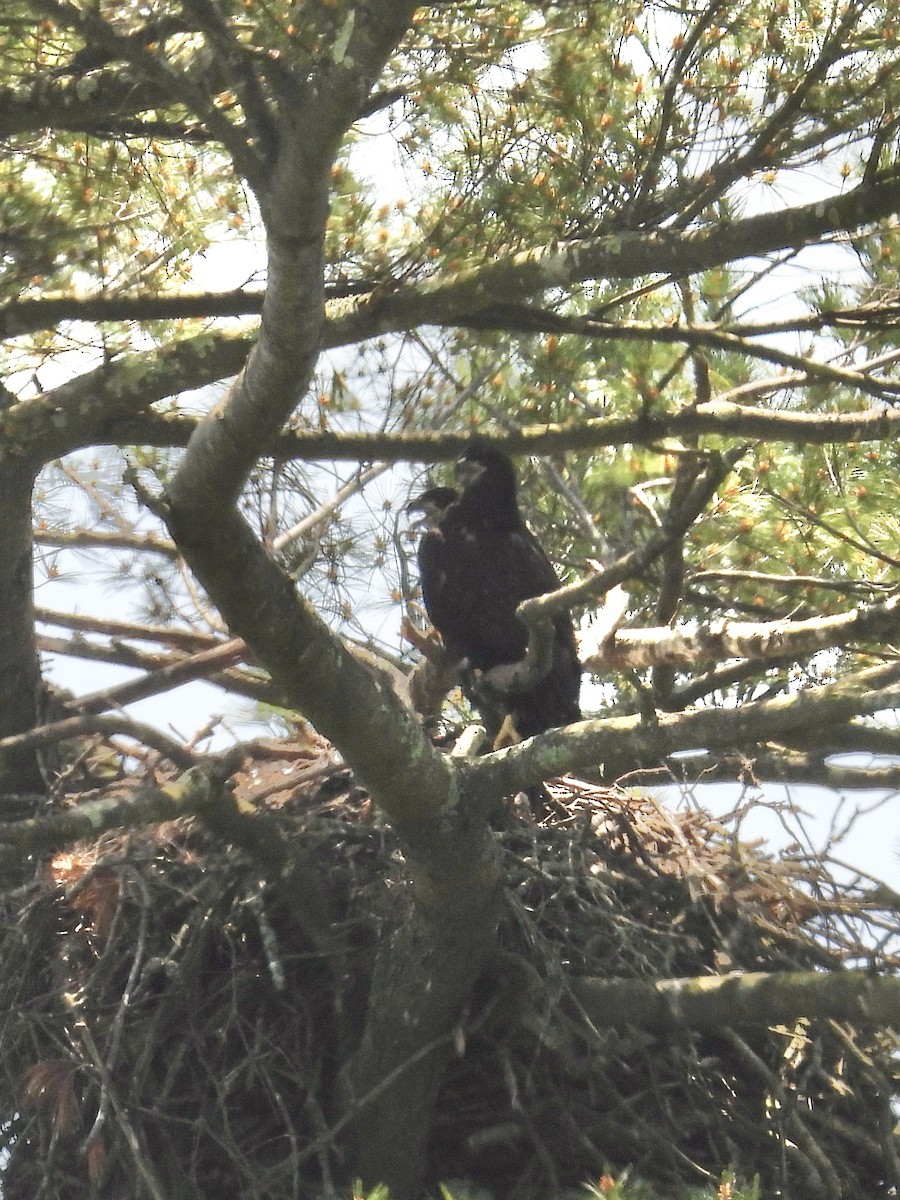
[172, 1030]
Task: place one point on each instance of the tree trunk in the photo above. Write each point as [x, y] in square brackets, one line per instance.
[19, 665]
[424, 975]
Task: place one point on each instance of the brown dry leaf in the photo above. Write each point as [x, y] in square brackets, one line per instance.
[50, 1087]
[69, 866]
[96, 1159]
[98, 900]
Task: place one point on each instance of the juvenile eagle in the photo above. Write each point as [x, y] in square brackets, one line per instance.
[477, 562]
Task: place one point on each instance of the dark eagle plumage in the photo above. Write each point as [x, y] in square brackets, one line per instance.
[478, 561]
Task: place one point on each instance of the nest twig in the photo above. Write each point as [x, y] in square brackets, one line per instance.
[171, 1030]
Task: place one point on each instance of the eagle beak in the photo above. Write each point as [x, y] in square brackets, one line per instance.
[418, 514]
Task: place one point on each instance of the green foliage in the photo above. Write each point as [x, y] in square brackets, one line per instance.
[606, 1188]
[625, 1188]
[495, 130]
[378, 1193]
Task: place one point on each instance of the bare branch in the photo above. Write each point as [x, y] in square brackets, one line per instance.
[781, 582]
[717, 419]
[631, 649]
[183, 639]
[720, 1001]
[351, 488]
[72, 727]
[199, 788]
[163, 679]
[769, 763]
[624, 744]
[100, 539]
[29, 316]
[255, 685]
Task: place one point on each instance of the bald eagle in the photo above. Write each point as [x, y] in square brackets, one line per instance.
[478, 561]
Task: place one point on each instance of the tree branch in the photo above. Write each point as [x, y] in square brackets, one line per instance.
[716, 419]
[633, 649]
[109, 726]
[623, 255]
[675, 525]
[164, 678]
[102, 539]
[352, 704]
[19, 317]
[174, 85]
[182, 639]
[83, 411]
[19, 666]
[769, 763]
[718, 1002]
[524, 319]
[253, 685]
[73, 105]
[622, 744]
